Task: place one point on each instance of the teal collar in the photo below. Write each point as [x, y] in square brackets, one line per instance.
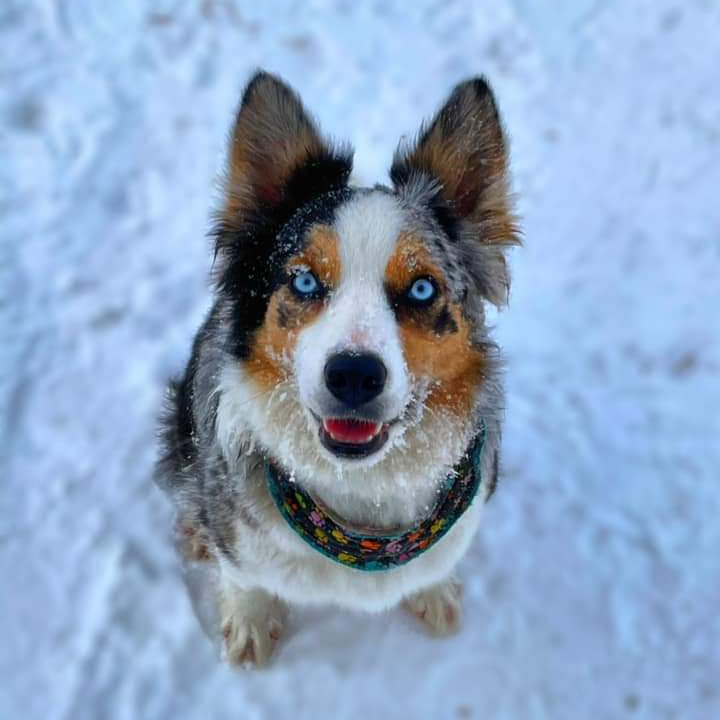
[371, 552]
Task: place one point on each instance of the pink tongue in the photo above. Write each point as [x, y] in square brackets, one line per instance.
[351, 431]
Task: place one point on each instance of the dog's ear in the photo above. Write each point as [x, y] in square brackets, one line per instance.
[462, 153]
[277, 156]
[463, 149]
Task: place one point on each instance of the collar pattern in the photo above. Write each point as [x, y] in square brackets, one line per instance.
[374, 552]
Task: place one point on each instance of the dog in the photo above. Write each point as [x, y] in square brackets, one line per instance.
[337, 428]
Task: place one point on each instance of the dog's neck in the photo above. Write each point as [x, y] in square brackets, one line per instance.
[373, 548]
[401, 505]
[385, 496]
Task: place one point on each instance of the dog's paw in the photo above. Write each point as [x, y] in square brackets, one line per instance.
[439, 608]
[252, 622]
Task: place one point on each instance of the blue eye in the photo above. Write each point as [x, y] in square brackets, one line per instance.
[305, 284]
[422, 291]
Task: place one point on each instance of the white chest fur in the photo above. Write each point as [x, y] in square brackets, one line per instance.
[271, 556]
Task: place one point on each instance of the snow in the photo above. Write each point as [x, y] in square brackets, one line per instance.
[593, 588]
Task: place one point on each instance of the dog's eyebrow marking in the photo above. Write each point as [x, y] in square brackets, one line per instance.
[321, 255]
[410, 260]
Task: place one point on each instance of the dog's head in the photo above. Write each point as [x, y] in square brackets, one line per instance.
[355, 317]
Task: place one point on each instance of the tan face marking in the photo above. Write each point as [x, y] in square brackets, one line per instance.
[321, 255]
[410, 260]
[287, 314]
[436, 339]
[454, 366]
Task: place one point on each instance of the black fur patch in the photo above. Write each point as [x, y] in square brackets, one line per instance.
[177, 428]
[177, 424]
[442, 213]
[255, 253]
[434, 318]
[493, 479]
[444, 322]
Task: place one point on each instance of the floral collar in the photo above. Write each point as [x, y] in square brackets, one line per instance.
[365, 550]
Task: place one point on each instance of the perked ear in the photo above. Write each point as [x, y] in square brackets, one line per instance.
[463, 149]
[463, 153]
[277, 156]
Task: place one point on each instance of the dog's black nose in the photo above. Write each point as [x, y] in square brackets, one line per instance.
[355, 379]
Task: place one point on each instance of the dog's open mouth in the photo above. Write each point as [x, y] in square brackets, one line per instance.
[350, 438]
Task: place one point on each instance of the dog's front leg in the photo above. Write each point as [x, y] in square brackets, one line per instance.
[439, 607]
[251, 621]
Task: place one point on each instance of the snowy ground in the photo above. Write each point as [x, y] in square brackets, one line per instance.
[593, 590]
